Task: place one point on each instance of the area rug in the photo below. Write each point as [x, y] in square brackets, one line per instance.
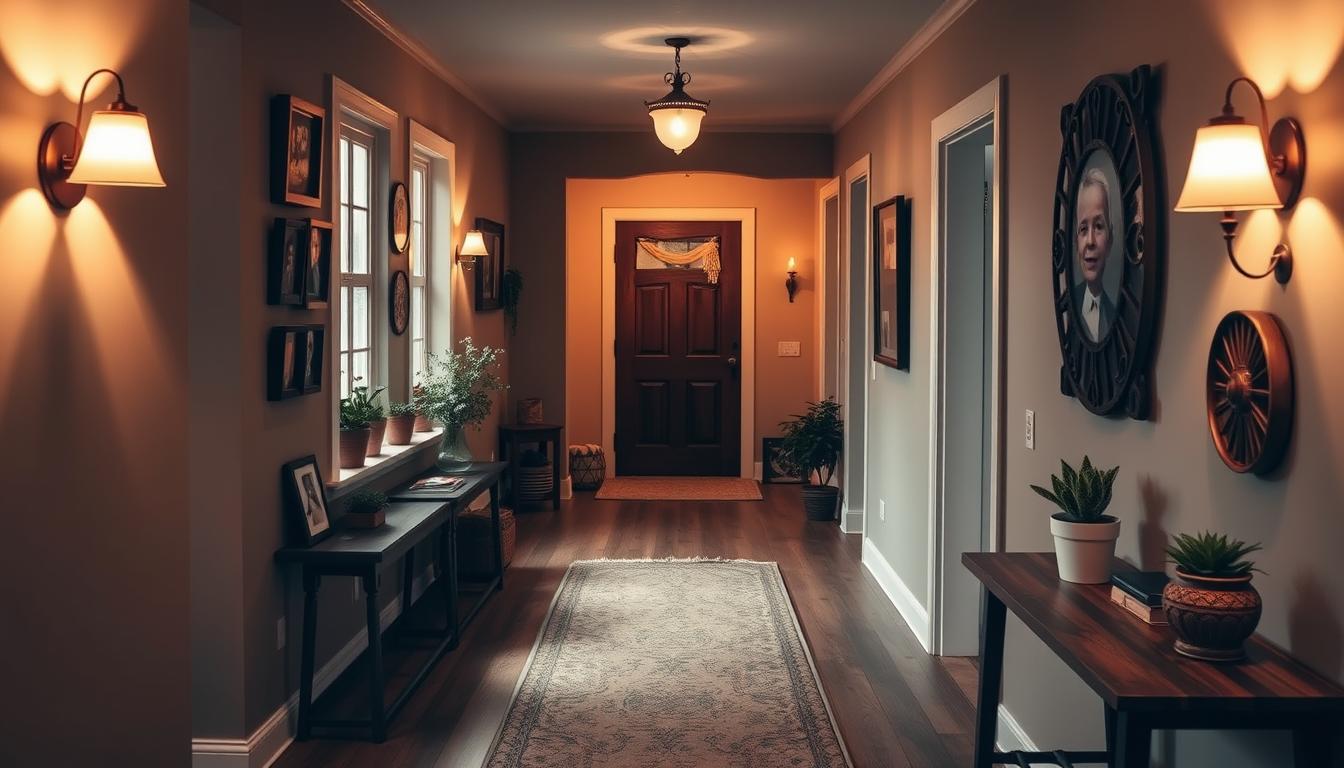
[680, 489]
[669, 663]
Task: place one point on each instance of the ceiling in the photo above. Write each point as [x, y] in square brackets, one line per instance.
[589, 65]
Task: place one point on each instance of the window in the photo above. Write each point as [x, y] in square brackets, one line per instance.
[356, 284]
[419, 265]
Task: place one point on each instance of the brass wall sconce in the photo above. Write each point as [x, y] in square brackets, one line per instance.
[473, 247]
[116, 151]
[1238, 166]
[792, 283]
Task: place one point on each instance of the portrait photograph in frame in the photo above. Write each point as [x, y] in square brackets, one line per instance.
[294, 361]
[306, 501]
[317, 263]
[891, 283]
[288, 263]
[298, 135]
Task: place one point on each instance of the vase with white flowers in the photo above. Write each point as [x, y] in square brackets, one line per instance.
[457, 394]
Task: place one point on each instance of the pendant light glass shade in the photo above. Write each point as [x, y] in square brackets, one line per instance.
[117, 151]
[677, 127]
[1229, 171]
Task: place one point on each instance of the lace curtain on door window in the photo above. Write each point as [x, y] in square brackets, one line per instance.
[680, 253]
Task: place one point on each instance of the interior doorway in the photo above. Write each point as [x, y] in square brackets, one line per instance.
[678, 348]
[854, 347]
[829, 291]
[967, 304]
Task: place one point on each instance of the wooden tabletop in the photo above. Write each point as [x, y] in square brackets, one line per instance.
[529, 427]
[1131, 664]
[407, 523]
[481, 476]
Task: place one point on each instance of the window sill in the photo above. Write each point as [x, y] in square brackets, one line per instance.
[392, 457]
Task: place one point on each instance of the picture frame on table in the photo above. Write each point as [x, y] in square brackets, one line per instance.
[298, 138]
[305, 495]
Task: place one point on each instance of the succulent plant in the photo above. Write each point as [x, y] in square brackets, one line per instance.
[1082, 495]
[366, 502]
[1211, 554]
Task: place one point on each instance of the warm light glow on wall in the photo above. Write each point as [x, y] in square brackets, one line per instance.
[1281, 44]
[29, 230]
[52, 46]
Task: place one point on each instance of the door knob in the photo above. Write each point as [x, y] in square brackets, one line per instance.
[732, 361]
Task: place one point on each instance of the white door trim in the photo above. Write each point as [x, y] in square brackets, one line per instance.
[987, 101]
[854, 518]
[747, 366]
[830, 190]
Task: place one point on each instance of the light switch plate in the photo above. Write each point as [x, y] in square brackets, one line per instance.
[1030, 438]
[882, 510]
[790, 348]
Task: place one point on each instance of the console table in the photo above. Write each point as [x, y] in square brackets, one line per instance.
[512, 436]
[413, 517]
[1144, 684]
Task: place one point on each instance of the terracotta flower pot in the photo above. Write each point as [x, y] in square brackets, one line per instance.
[399, 429]
[819, 501]
[422, 423]
[1211, 616]
[354, 447]
[376, 431]
[1084, 551]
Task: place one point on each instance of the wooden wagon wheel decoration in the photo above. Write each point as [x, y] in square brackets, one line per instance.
[1250, 392]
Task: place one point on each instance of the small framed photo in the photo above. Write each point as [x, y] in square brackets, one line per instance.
[772, 469]
[305, 501]
[288, 263]
[891, 283]
[298, 131]
[294, 361]
[317, 275]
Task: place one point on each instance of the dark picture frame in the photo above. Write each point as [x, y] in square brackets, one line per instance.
[891, 282]
[298, 143]
[399, 302]
[294, 361]
[772, 470]
[489, 269]
[287, 264]
[398, 218]
[1108, 250]
[305, 498]
[317, 276]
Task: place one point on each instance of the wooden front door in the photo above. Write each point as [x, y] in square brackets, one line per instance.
[678, 385]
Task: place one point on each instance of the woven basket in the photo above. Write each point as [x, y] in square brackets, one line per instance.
[587, 470]
[473, 539]
[535, 483]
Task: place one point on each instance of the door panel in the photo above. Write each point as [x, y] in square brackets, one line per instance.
[678, 394]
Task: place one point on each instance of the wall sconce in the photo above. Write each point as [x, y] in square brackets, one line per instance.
[792, 283]
[1237, 166]
[116, 151]
[473, 247]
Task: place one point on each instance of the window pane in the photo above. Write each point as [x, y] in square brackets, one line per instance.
[360, 175]
[417, 361]
[345, 170]
[418, 194]
[361, 368]
[359, 236]
[345, 319]
[417, 248]
[345, 235]
[418, 312]
[345, 377]
[359, 318]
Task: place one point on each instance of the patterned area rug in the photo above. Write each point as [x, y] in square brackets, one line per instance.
[672, 663]
[680, 489]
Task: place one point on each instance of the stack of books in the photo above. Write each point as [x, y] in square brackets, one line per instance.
[1140, 593]
[439, 482]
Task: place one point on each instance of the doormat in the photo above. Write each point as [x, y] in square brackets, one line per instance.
[680, 489]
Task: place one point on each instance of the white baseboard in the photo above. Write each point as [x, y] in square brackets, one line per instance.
[566, 488]
[851, 520]
[916, 617]
[758, 472]
[265, 744]
[1011, 735]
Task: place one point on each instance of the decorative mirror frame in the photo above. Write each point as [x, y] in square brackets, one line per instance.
[1115, 114]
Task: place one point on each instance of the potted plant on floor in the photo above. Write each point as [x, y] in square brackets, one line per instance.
[354, 441]
[457, 394]
[400, 423]
[365, 509]
[1084, 535]
[813, 442]
[366, 404]
[1211, 605]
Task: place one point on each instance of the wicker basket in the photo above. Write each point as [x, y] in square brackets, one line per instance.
[535, 483]
[473, 539]
[587, 467]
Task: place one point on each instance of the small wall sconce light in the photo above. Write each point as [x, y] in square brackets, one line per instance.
[473, 247]
[116, 151]
[792, 283]
[1238, 166]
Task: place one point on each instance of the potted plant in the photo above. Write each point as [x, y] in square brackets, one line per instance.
[1211, 605]
[812, 445]
[510, 290]
[366, 404]
[400, 423]
[365, 509]
[456, 394]
[354, 444]
[1084, 535]
[422, 423]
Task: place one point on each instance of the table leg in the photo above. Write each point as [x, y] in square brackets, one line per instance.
[454, 625]
[1133, 741]
[311, 582]
[377, 717]
[993, 620]
[497, 534]
[1315, 743]
[407, 581]
[1110, 732]
[513, 471]
[555, 474]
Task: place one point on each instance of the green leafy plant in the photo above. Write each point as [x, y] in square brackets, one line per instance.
[1082, 495]
[366, 502]
[360, 408]
[813, 441]
[401, 409]
[510, 290]
[458, 385]
[1211, 554]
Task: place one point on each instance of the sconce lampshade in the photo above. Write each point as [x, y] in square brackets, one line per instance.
[117, 151]
[1229, 171]
[473, 246]
[677, 127]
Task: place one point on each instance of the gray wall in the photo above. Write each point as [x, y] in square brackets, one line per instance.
[1171, 478]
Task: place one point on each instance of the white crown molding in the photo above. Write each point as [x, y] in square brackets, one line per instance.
[418, 52]
[937, 24]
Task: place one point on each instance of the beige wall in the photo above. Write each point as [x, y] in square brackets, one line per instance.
[1171, 478]
[93, 346]
[786, 223]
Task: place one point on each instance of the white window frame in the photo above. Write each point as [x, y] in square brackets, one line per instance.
[441, 237]
[418, 256]
[356, 135]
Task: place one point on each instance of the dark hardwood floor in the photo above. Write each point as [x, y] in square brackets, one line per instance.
[895, 705]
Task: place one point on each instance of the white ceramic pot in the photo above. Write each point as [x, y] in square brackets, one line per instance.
[1084, 550]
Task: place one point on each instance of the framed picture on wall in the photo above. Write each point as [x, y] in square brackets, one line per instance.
[317, 275]
[772, 469]
[399, 218]
[305, 501]
[294, 361]
[288, 262]
[490, 268]
[298, 131]
[891, 283]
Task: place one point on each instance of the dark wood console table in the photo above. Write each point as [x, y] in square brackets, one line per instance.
[513, 436]
[1144, 684]
[412, 518]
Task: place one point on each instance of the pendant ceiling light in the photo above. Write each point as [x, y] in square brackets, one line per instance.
[677, 116]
